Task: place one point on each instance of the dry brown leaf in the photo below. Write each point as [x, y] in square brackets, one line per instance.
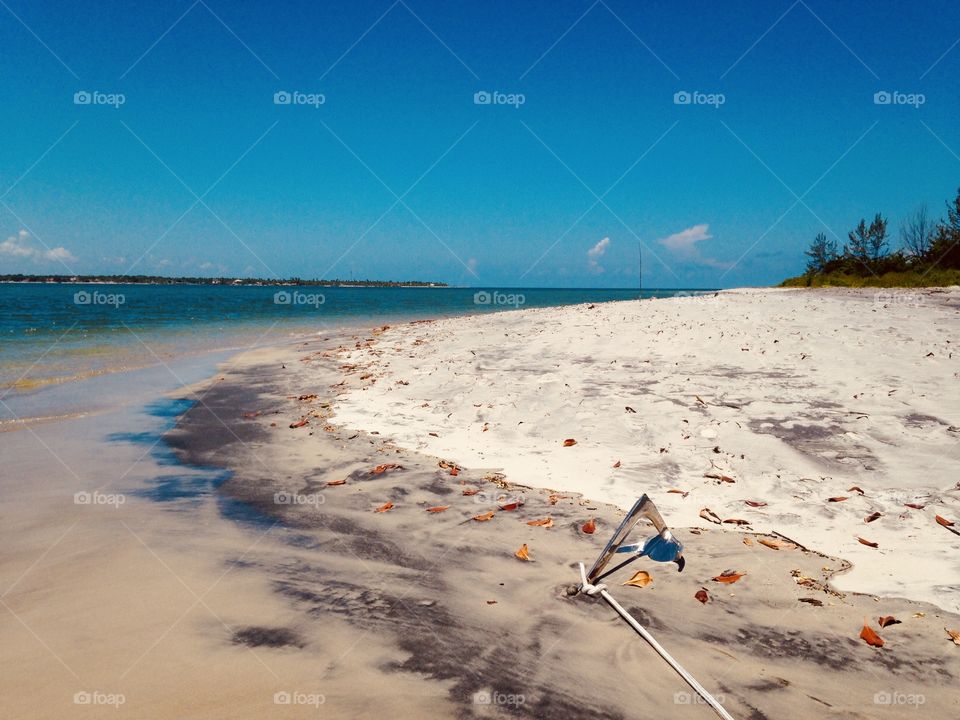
[454, 471]
[856, 489]
[546, 522]
[334, 483]
[554, 497]
[383, 508]
[484, 516]
[491, 602]
[699, 399]
[381, 469]
[299, 423]
[737, 521]
[589, 527]
[954, 635]
[641, 579]
[868, 543]
[702, 595]
[873, 516]
[870, 637]
[569, 442]
[840, 498]
[943, 521]
[616, 464]
[511, 505]
[915, 506]
[755, 503]
[886, 620]
[812, 601]
[710, 515]
[728, 576]
[675, 491]
[772, 544]
[747, 541]
[438, 508]
[470, 491]
[523, 553]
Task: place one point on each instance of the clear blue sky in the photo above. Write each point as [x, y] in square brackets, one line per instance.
[501, 195]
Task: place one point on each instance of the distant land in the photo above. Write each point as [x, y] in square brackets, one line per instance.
[160, 280]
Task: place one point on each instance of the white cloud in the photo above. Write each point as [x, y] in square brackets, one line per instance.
[595, 253]
[18, 246]
[684, 245]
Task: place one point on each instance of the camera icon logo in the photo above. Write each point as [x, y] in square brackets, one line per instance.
[82, 498]
[282, 298]
[281, 698]
[82, 298]
[82, 698]
[883, 698]
[482, 97]
[282, 97]
[681, 698]
[882, 98]
[482, 298]
[682, 97]
[82, 97]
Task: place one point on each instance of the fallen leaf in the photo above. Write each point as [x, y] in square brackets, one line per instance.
[569, 442]
[438, 508]
[886, 620]
[629, 409]
[640, 579]
[546, 522]
[737, 521]
[383, 508]
[954, 635]
[747, 541]
[702, 595]
[679, 492]
[616, 464]
[470, 491]
[837, 499]
[454, 471]
[855, 488]
[812, 601]
[868, 543]
[708, 514]
[512, 505]
[943, 521]
[728, 576]
[484, 517]
[755, 503]
[872, 516]
[334, 483]
[699, 399]
[299, 423]
[380, 469]
[870, 637]
[523, 553]
[491, 602]
[589, 527]
[772, 544]
[554, 497]
[915, 506]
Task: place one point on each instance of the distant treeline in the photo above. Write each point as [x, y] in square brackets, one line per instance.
[159, 280]
[928, 253]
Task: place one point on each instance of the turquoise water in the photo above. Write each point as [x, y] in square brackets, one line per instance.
[50, 334]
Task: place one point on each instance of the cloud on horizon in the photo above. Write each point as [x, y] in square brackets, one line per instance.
[595, 253]
[684, 245]
[18, 246]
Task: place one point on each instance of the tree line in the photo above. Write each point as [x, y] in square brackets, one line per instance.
[924, 243]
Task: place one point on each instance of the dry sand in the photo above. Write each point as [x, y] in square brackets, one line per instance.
[417, 614]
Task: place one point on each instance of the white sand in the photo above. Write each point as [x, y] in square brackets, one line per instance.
[804, 393]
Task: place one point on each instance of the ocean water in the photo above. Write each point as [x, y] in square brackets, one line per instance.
[53, 334]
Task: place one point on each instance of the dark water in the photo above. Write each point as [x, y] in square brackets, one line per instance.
[54, 333]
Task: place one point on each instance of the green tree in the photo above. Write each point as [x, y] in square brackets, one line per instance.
[858, 245]
[917, 232]
[945, 249]
[877, 244]
[821, 252]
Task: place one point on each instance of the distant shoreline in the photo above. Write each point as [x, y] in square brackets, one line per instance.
[19, 279]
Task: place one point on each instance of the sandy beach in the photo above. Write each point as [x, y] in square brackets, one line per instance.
[283, 592]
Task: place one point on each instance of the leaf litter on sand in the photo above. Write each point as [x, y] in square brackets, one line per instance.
[728, 577]
[640, 579]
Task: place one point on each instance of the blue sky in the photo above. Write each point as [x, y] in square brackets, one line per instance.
[400, 174]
